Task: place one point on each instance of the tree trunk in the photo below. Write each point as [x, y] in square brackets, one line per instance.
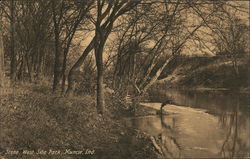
[29, 66]
[12, 43]
[155, 77]
[65, 53]
[57, 71]
[58, 52]
[39, 65]
[235, 66]
[75, 67]
[58, 60]
[20, 72]
[100, 91]
[2, 77]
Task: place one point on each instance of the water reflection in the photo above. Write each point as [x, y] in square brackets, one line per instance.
[222, 132]
[232, 110]
[236, 143]
[169, 145]
[164, 133]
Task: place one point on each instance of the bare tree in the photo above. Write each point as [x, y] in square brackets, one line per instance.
[2, 71]
[66, 18]
[107, 13]
[150, 42]
[103, 26]
[153, 36]
[33, 34]
[231, 39]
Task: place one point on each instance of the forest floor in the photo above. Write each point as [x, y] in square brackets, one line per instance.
[37, 124]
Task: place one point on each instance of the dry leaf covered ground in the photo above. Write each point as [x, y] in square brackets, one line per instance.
[33, 119]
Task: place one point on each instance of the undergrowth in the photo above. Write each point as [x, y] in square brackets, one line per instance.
[32, 118]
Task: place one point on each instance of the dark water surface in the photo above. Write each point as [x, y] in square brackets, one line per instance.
[221, 129]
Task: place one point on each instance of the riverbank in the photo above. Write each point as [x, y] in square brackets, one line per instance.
[202, 73]
[199, 88]
[38, 124]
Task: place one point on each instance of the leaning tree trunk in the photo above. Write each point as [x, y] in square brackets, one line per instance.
[152, 80]
[75, 68]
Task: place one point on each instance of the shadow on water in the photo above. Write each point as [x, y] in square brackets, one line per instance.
[163, 130]
[169, 144]
[227, 136]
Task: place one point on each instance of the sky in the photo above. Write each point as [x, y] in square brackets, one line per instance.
[191, 48]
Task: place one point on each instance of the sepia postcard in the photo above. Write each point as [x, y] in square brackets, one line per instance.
[124, 79]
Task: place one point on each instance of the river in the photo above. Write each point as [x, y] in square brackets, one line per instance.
[199, 124]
